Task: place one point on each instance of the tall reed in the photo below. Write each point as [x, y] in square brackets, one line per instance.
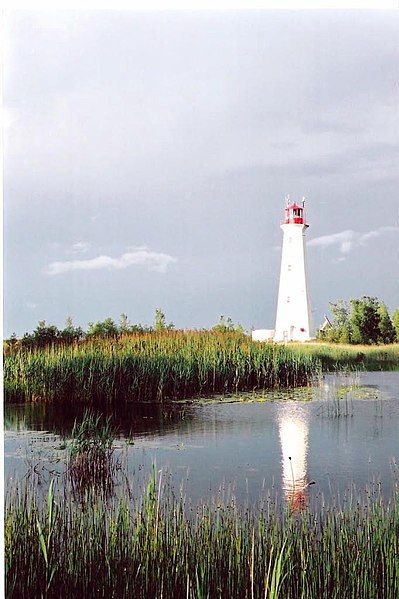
[160, 547]
[154, 367]
[91, 461]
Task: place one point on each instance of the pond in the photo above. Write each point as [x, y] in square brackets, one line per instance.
[309, 444]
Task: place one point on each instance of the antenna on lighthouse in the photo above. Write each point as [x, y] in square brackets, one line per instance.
[287, 200]
[303, 201]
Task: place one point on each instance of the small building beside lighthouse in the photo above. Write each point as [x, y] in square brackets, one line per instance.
[293, 318]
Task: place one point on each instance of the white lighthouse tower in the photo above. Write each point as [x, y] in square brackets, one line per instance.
[293, 310]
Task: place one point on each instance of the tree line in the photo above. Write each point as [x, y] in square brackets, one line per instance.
[357, 321]
[46, 334]
[361, 321]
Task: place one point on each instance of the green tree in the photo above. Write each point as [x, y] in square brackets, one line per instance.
[127, 327]
[124, 324]
[28, 340]
[45, 334]
[110, 328]
[340, 311]
[344, 334]
[70, 333]
[365, 320]
[106, 328]
[387, 330]
[226, 325]
[160, 322]
[339, 331]
[395, 322]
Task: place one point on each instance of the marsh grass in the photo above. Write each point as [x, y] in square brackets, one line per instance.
[340, 403]
[334, 356]
[153, 367]
[91, 461]
[160, 546]
[341, 394]
[176, 365]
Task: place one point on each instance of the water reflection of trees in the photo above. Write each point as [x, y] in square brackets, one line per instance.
[129, 420]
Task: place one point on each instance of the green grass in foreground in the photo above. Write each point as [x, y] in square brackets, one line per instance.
[158, 547]
[175, 365]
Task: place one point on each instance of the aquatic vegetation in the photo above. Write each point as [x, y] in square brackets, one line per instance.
[175, 365]
[91, 461]
[340, 395]
[153, 367]
[160, 546]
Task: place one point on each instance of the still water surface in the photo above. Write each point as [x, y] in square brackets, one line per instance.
[303, 445]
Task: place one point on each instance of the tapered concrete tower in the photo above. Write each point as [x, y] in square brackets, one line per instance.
[293, 310]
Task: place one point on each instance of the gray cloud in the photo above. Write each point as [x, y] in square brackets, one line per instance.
[141, 256]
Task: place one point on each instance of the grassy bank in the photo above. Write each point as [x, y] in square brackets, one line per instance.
[175, 365]
[333, 356]
[159, 547]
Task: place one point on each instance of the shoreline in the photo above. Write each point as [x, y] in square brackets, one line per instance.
[177, 366]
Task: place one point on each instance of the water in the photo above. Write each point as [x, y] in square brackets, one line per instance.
[304, 445]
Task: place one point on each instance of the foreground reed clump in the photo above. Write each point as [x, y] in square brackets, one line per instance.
[159, 547]
[91, 461]
[153, 367]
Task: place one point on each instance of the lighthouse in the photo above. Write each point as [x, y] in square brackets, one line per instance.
[293, 310]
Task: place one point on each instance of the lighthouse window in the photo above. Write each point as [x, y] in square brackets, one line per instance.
[289, 267]
[288, 300]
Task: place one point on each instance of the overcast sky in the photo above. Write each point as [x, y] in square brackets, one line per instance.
[147, 157]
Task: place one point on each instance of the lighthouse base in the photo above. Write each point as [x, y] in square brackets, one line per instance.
[291, 335]
[263, 335]
[269, 336]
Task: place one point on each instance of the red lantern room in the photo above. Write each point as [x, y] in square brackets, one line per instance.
[295, 214]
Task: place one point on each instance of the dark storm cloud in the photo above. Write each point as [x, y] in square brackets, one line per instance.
[182, 133]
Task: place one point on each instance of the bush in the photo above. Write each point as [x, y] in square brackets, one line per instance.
[360, 321]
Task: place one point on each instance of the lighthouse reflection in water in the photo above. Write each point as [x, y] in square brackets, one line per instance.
[294, 432]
